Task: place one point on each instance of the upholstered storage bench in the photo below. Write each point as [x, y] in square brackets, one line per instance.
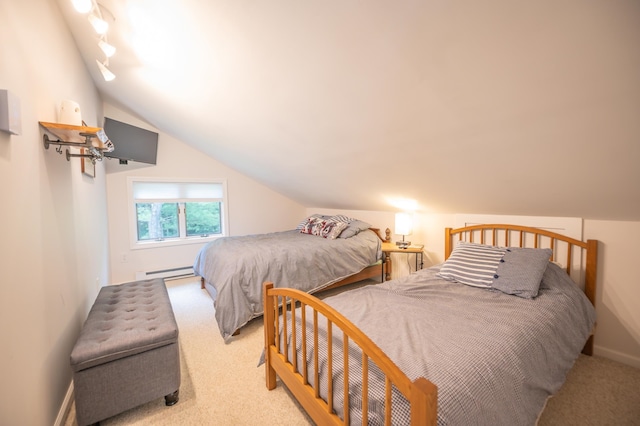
[127, 352]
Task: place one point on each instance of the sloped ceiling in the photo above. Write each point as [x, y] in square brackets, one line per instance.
[496, 107]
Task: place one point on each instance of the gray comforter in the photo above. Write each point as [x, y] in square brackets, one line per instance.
[495, 358]
[237, 267]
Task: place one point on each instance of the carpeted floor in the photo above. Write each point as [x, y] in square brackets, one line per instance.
[221, 383]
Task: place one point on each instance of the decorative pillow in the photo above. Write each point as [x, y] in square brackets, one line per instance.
[312, 225]
[313, 216]
[323, 228]
[354, 227]
[512, 270]
[332, 230]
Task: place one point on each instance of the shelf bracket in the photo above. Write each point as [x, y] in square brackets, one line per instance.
[94, 153]
[94, 157]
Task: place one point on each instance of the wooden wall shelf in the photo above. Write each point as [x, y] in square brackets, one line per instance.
[93, 139]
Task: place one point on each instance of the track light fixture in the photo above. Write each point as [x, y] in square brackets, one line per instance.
[106, 74]
[100, 26]
[83, 6]
[107, 48]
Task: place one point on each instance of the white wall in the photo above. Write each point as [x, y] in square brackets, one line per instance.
[252, 207]
[618, 296]
[54, 251]
[427, 230]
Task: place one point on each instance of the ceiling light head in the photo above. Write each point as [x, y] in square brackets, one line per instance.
[106, 74]
[108, 49]
[100, 25]
[83, 6]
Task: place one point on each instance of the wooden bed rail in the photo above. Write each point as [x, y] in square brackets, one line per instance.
[281, 303]
[524, 236]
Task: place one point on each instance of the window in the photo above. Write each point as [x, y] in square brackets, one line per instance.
[176, 212]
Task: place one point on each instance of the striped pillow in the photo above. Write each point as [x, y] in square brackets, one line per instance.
[340, 218]
[473, 264]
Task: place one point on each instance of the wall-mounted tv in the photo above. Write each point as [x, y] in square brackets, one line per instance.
[131, 143]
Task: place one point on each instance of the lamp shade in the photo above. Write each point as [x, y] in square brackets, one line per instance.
[404, 224]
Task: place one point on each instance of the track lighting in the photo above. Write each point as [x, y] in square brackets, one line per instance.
[108, 75]
[99, 24]
[83, 6]
[108, 49]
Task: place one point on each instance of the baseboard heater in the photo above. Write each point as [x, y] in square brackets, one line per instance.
[167, 274]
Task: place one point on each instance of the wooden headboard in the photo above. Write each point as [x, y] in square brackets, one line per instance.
[565, 251]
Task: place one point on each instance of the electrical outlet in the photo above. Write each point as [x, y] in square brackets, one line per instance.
[124, 258]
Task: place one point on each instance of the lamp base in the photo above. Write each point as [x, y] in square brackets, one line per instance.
[403, 244]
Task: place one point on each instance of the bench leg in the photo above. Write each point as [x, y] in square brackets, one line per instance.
[172, 398]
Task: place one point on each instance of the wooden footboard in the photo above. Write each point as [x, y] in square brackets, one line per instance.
[281, 360]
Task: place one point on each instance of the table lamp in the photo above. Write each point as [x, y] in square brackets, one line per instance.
[404, 226]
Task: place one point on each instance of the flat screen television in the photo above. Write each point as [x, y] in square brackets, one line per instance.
[131, 143]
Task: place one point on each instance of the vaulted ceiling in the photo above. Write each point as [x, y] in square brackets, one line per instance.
[495, 107]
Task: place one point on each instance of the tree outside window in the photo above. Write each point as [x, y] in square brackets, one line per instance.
[174, 211]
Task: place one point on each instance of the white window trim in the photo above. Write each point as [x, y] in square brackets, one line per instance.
[131, 216]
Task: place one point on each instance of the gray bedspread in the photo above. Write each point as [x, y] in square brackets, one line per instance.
[495, 358]
[238, 266]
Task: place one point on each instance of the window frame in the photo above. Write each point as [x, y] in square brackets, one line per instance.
[182, 239]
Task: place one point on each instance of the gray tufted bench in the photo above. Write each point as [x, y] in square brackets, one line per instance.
[127, 352]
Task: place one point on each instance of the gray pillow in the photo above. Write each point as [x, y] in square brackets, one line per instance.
[353, 228]
[520, 271]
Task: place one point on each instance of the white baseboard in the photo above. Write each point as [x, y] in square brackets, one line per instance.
[617, 356]
[61, 419]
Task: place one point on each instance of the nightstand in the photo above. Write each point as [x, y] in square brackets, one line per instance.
[388, 248]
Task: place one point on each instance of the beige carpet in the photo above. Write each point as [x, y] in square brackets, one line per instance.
[221, 383]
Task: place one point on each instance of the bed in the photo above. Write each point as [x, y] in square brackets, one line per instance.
[432, 349]
[322, 252]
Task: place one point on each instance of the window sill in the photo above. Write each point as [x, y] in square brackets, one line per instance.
[140, 245]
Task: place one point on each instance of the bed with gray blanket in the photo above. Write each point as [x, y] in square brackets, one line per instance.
[495, 352]
[235, 268]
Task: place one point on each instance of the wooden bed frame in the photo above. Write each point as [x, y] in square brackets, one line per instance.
[421, 393]
[380, 270]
